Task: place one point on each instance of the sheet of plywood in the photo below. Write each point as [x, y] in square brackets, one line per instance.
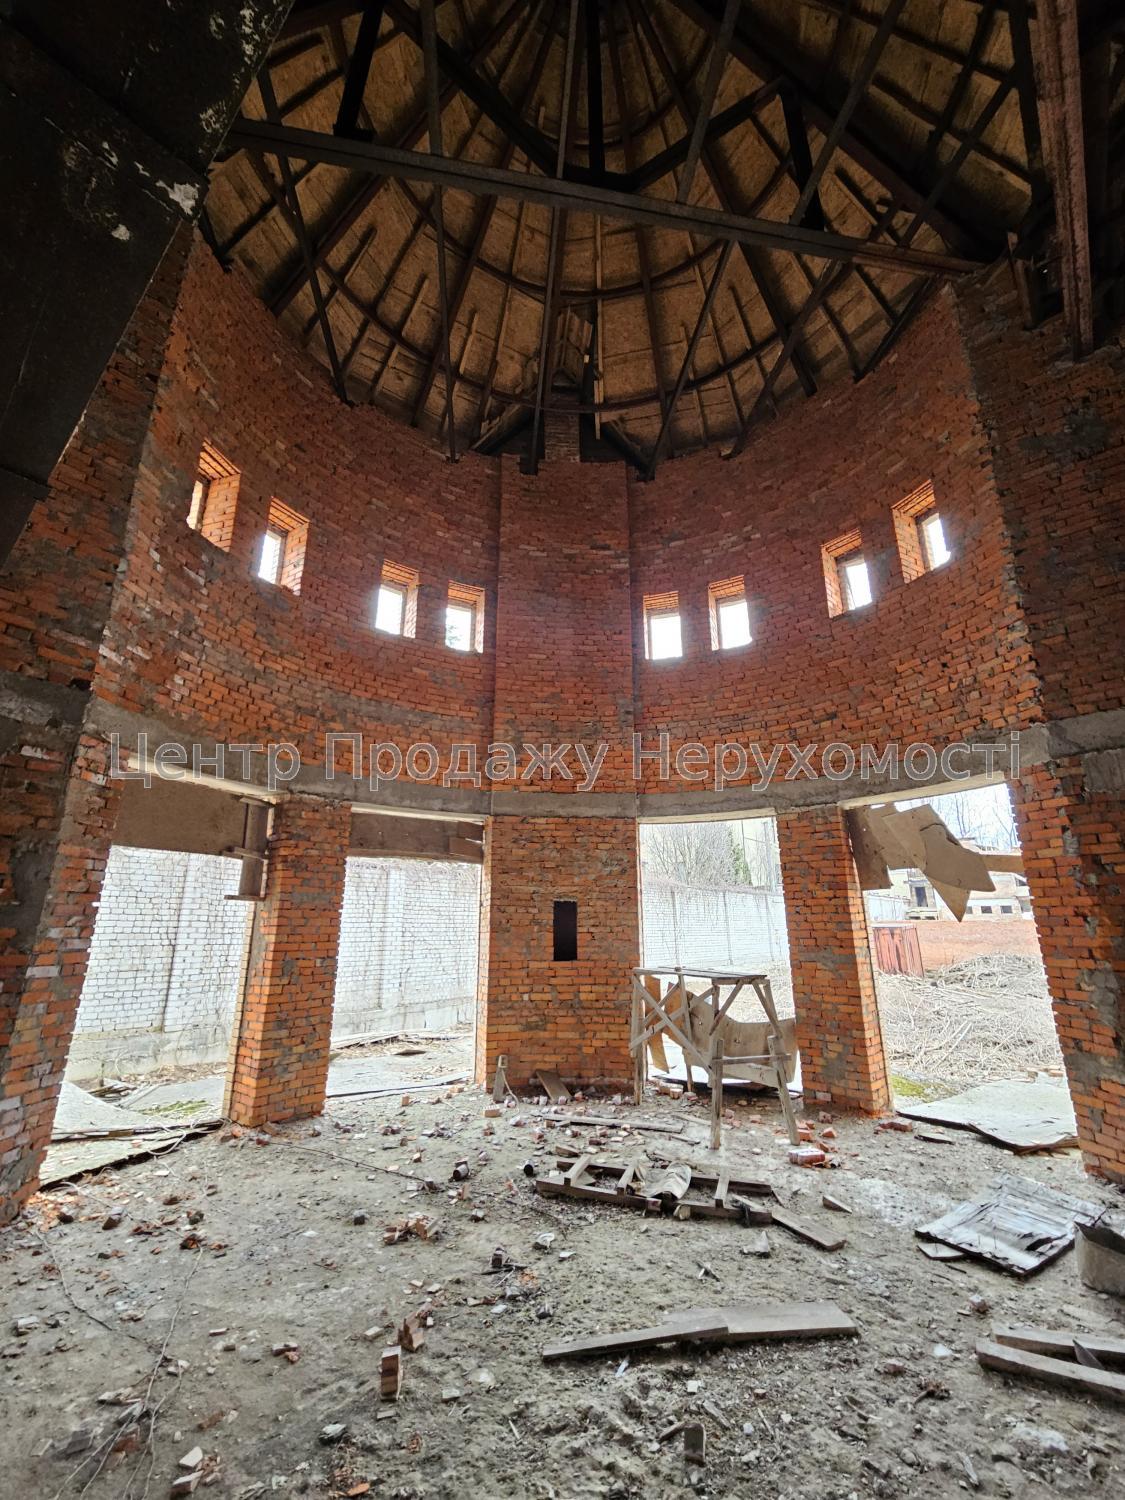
[1022, 1115]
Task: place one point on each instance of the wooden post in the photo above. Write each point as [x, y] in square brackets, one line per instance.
[716, 1070]
[638, 1024]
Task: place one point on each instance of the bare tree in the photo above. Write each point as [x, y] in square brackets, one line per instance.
[713, 854]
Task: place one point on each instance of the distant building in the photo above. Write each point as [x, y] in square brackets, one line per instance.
[921, 902]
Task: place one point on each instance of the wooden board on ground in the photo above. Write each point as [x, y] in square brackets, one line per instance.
[1059, 1343]
[683, 1326]
[1106, 1384]
[553, 1086]
[741, 1324]
[1018, 1224]
[804, 1229]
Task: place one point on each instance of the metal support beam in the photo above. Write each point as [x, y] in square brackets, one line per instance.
[473, 177]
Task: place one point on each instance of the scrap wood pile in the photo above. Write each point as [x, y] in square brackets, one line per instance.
[988, 1016]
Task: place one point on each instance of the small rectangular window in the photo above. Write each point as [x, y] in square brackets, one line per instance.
[565, 948]
[934, 545]
[464, 618]
[920, 532]
[214, 496]
[846, 578]
[396, 601]
[390, 608]
[663, 633]
[855, 585]
[730, 614]
[281, 559]
[273, 554]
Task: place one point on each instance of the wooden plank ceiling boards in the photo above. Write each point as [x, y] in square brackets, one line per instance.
[674, 216]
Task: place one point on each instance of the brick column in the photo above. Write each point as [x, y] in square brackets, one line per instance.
[842, 1060]
[279, 1064]
[572, 1016]
[44, 1003]
[1072, 831]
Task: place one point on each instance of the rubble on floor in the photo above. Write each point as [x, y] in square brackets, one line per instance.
[250, 1297]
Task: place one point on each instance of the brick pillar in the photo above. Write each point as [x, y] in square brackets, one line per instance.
[1072, 831]
[45, 1003]
[279, 1064]
[572, 1016]
[842, 1059]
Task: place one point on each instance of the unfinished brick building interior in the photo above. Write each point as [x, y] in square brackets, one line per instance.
[470, 432]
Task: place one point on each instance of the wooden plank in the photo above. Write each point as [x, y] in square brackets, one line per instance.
[743, 1323]
[824, 1239]
[685, 1326]
[763, 1321]
[553, 1086]
[1062, 1372]
[1059, 1343]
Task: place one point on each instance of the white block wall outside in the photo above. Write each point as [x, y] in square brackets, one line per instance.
[409, 934]
[168, 956]
[166, 964]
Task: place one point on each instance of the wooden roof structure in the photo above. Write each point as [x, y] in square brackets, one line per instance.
[674, 215]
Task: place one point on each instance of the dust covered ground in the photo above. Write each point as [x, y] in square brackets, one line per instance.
[228, 1249]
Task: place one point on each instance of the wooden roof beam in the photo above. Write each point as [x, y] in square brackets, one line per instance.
[1058, 71]
[767, 58]
[755, 263]
[856, 90]
[349, 213]
[720, 50]
[554, 247]
[433, 114]
[689, 356]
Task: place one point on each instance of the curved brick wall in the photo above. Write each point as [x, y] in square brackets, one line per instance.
[941, 656]
[196, 638]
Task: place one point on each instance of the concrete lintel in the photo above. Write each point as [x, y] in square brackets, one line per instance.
[564, 804]
[416, 797]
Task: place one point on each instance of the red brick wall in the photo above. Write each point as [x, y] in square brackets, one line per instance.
[936, 658]
[842, 1060]
[45, 1003]
[56, 809]
[573, 1017]
[1057, 436]
[564, 663]
[1074, 856]
[198, 639]
[280, 1055]
[564, 674]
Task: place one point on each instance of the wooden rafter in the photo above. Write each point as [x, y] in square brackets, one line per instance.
[1059, 76]
[720, 49]
[433, 112]
[360, 201]
[689, 356]
[554, 247]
